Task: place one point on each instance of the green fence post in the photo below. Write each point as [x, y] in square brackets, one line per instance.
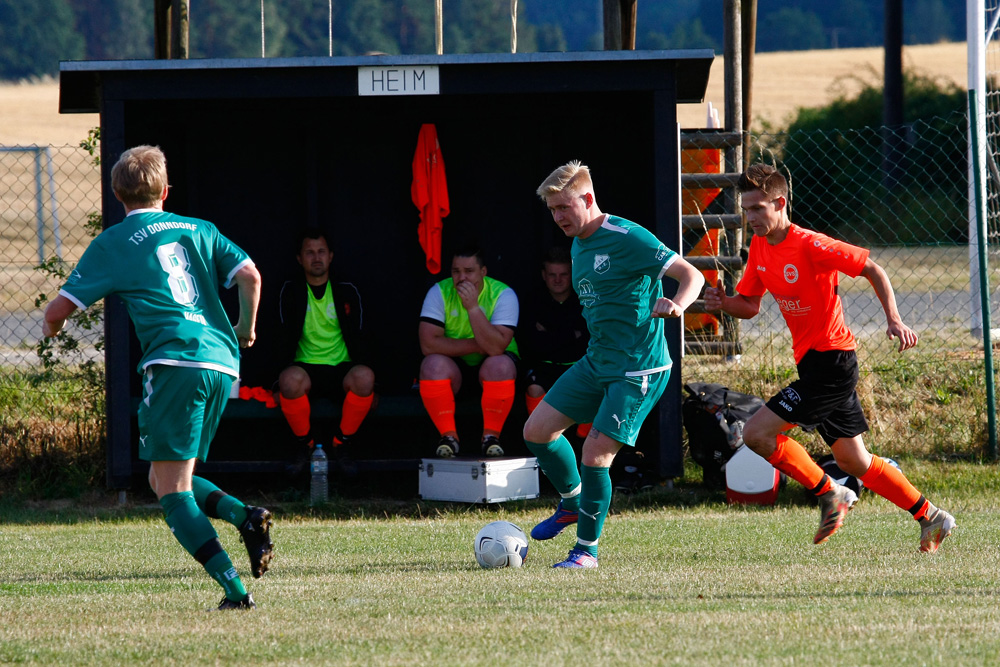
[984, 281]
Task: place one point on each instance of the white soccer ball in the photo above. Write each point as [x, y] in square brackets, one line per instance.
[501, 544]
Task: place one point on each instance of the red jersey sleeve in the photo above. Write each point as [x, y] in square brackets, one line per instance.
[751, 284]
[832, 255]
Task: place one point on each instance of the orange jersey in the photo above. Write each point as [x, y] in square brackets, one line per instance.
[803, 274]
[429, 191]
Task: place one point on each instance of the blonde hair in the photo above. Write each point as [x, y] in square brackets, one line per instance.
[140, 176]
[573, 177]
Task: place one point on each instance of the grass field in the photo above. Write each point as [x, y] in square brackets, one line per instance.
[684, 579]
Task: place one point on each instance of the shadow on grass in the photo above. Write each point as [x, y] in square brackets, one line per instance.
[293, 505]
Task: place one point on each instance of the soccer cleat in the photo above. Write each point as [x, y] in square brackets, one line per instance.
[343, 445]
[246, 604]
[578, 559]
[554, 525]
[933, 530]
[491, 446]
[834, 506]
[447, 447]
[255, 533]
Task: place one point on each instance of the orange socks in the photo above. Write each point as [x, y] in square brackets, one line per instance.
[296, 411]
[793, 460]
[887, 481]
[439, 403]
[498, 397]
[354, 412]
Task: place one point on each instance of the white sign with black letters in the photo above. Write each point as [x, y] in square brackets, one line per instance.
[409, 80]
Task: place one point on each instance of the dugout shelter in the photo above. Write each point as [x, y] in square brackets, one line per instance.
[264, 147]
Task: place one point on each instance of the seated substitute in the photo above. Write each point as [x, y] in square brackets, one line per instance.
[322, 335]
[466, 332]
[553, 334]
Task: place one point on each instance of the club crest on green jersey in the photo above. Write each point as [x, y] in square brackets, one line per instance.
[602, 263]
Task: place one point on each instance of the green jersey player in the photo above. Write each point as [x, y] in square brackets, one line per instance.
[168, 269]
[617, 267]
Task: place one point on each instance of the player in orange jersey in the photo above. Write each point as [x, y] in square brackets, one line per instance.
[801, 268]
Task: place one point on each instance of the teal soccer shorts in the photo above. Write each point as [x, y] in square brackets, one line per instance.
[180, 411]
[616, 404]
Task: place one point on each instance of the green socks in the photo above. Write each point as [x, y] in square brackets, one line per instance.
[595, 500]
[216, 503]
[195, 533]
[558, 462]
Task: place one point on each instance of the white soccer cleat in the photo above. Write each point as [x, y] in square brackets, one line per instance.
[834, 506]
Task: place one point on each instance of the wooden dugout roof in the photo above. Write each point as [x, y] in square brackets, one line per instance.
[684, 72]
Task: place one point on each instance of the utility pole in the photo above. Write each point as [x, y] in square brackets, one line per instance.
[893, 141]
[748, 25]
[171, 29]
[619, 24]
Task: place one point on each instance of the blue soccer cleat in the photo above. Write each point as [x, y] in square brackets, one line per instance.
[578, 559]
[554, 525]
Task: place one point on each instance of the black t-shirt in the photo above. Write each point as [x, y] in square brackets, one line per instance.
[551, 331]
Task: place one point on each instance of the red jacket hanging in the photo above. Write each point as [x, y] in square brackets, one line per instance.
[430, 194]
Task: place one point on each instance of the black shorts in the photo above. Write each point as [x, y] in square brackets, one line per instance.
[470, 375]
[326, 380]
[545, 374]
[824, 397]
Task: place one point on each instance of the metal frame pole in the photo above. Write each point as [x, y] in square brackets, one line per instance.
[984, 280]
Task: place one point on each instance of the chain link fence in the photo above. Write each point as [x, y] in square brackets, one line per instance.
[904, 196]
[52, 398]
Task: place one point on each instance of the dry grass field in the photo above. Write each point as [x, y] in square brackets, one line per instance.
[784, 82]
[29, 113]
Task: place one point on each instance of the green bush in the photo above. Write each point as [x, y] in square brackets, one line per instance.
[840, 180]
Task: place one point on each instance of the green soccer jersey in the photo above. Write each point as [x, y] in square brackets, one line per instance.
[167, 269]
[617, 272]
[322, 341]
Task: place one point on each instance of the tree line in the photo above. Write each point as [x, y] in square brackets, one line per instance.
[36, 35]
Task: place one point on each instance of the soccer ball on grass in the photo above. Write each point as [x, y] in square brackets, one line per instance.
[501, 544]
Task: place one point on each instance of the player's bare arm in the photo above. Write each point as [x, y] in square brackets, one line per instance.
[248, 283]
[877, 276]
[56, 313]
[433, 341]
[743, 307]
[690, 281]
[491, 339]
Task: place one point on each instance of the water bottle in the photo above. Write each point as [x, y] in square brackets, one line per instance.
[319, 481]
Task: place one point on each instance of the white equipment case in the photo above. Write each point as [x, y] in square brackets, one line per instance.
[470, 480]
[750, 479]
